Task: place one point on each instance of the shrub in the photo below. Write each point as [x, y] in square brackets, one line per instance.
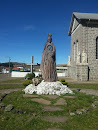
[40, 75]
[62, 80]
[0, 70]
[27, 82]
[30, 76]
[64, 83]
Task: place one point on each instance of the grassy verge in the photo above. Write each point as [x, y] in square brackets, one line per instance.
[12, 85]
[88, 86]
[18, 80]
[27, 114]
[7, 86]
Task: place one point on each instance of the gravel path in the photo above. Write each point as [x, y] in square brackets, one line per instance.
[87, 91]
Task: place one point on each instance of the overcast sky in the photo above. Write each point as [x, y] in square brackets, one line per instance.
[24, 25]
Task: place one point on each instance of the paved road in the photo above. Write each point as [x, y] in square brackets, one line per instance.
[4, 77]
[72, 81]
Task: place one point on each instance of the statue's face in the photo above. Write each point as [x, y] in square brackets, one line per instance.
[49, 39]
[49, 48]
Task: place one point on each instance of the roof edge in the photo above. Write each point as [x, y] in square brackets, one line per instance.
[81, 16]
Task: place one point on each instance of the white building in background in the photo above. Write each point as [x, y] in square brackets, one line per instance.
[61, 72]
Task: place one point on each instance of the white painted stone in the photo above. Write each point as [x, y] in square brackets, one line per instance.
[78, 57]
[84, 57]
[50, 88]
[23, 74]
[69, 60]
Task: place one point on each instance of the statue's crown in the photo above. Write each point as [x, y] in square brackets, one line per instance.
[49, 35]
[49, 38]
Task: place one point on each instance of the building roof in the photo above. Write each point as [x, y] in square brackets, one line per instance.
[82, 16]
[92, 16]
[15, 69]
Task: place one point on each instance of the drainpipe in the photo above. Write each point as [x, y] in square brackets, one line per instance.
[87, 40]
[87, 47]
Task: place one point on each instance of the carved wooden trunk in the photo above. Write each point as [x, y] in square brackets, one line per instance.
[48, 62]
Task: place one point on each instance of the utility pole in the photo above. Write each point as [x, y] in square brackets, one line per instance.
[31, 64]
[9, 65]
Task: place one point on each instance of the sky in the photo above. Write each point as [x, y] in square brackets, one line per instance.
[24, 25]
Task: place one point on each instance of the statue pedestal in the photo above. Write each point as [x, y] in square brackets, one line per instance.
[48, 88]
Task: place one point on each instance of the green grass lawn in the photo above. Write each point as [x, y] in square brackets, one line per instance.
[27, 114]
[11, 86]
[88, 86]
[18, 80]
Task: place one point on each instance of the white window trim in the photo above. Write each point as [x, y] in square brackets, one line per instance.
[77, 47]
[75, 29]
[74, 51]
[73, 25]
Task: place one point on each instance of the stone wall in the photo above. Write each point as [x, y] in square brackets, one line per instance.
[86, 38]
[90, 36]
[82, 72]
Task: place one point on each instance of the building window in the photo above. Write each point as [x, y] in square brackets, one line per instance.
[77, 47]
[97, 48]
[74, 51]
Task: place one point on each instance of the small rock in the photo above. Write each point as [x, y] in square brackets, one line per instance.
[9, 107]
[93, 97]
[51, 96]
[2, 105]
[78, 112]
[42, 101]
[72, 114]
[96, 103]
[2, 96]
[52, 108]
[55, 118]
[72, 97]
[36, 81]
[83, 110]
[61, 101]
[78, 89]
[93, 105]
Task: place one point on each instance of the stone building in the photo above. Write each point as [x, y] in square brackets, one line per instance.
[83, 62]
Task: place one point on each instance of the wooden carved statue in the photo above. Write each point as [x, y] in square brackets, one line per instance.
[48, 62]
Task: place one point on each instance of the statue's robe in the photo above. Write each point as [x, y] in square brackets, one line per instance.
[48, 63]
